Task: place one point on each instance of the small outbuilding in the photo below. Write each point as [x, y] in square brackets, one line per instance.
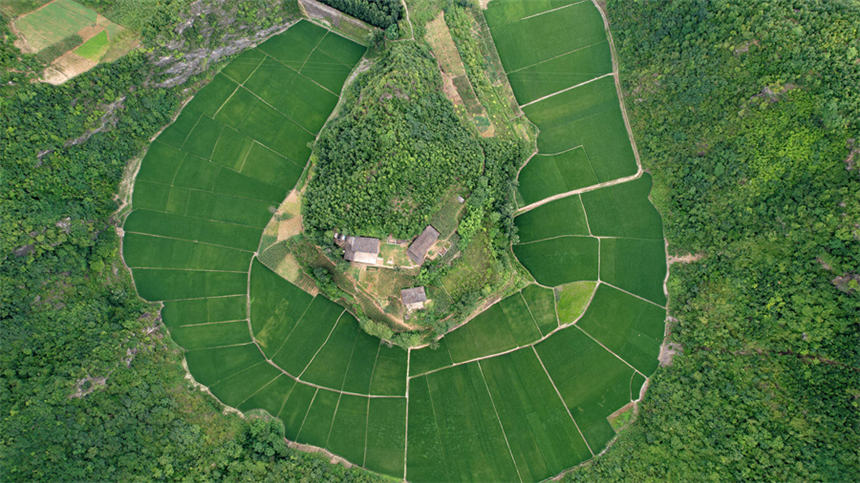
[413, 298]
[361, 249]
[418, 249]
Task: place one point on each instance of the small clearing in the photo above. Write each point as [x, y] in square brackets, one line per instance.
[688, 258]
[667, 353]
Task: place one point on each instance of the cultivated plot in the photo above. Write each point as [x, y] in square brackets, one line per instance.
[588, 116]
[546, 175]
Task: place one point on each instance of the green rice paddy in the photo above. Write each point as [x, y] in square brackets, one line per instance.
[520, 392]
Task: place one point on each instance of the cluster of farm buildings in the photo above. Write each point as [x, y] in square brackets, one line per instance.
[361, 249]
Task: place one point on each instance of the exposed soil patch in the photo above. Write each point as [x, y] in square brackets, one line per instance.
[667, 353]
[87, 385]
[688, 258]
[853, 150]
[333, 458]
[350, 26]
[65, 67]
[20, 40]
[290, 210]
[450, 90]
[90, 31]
[444, 49]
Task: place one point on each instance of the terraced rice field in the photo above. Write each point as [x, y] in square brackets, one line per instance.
[520, 392]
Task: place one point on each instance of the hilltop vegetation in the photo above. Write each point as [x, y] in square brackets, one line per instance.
[386, 162]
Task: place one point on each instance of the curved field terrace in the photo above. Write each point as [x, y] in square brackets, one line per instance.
[522, 391]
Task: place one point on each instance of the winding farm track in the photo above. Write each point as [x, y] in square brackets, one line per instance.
[518, 393]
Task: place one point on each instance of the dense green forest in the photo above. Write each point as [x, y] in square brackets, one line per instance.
[89, 387]
[382, 13]
[746, 113]
[384, 165]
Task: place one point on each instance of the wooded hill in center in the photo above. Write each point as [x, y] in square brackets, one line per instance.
[384, 165]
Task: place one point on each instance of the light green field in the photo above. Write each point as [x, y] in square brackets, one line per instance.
[53, 22]
[517, 393]
[94, 48]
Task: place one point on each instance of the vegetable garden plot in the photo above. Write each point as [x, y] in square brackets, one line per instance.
[546, 175]
[573, 299]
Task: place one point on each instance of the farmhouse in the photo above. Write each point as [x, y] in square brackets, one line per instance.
[361, 249]
[413, 298]
[418, 249]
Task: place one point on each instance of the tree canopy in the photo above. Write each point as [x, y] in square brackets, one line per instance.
[384, 164]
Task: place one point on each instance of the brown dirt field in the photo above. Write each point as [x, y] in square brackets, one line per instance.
[290, 211]
[449, 89]
[90, 31]
[489, 131]
[440, 40]
[65, 67]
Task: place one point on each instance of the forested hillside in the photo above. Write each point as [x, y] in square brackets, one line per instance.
[89, 387]
[385, 164]
[748, 116]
